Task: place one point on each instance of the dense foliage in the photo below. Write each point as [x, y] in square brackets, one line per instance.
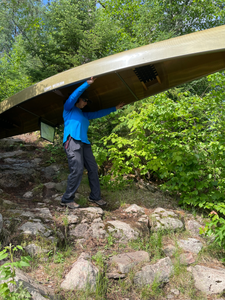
[181, 143]
[177, 137]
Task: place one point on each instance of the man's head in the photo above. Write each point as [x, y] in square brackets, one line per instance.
[81, 102]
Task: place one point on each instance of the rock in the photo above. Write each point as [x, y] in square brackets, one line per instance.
[43, 213]
[98, 220]
[114, 275]
[134, 208]
[92, 212]
[1, 223]
[88, 215]
[11, 154]
[168, 224]
[37, 291]
[57, 197]
[191, 245]
[80, 243]
[15, 211]
[122, 230]
[82, 274]
[30, 148]
[161, 271]
[49, 189]
[143, 224]
[186, 259]
[175, 292]
[28, 195]
[33, 228]
[126, 261]
[8, 143]
[80, 231]
[193, 227]
[37, 296]
[51, 171]
[7, 202]
[208, 280]
[169, 250]
[159, 210]
[144, 219]
[61, 186]
[162, 219]
[14, 172]
[47, 201]
[84, 230]
[28, 214]
[34, 250]
[72, 219]
[164, 213]
[97, 230]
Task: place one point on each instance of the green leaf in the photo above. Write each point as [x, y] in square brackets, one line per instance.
[3, 255]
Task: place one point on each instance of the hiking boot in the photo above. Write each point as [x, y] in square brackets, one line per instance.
[71, 205]
[100, 202]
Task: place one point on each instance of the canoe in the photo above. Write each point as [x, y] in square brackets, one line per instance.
[124, 77]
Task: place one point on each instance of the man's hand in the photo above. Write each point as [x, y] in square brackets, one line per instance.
[120, 105]
[90, 81]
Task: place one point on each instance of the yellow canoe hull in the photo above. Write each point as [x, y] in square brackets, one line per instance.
[124, 77]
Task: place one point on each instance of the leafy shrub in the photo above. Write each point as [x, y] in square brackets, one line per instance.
[181, 142]
[8, 274]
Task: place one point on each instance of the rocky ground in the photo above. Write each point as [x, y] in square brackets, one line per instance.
[141, 246]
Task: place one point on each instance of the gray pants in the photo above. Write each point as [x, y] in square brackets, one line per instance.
[79, 156]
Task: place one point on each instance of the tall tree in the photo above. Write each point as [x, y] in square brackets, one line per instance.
[13, 74]
[66, 37]
[144, 22]
[17, 17]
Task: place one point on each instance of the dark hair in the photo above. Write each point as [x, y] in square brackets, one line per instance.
[84, 95]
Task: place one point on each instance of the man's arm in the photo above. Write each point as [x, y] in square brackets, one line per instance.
[99, 113]
[75, 96]
[77, 93]
[102, 112]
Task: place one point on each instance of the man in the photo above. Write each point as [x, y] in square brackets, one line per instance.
[77, 146]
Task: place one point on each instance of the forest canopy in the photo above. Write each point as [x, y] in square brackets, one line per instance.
[176, 138]
[39, 39]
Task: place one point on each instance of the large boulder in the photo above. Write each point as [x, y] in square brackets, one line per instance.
[15, 172]
[82, 275]
[161, 271]
[124, 262]
[191, 245]
[37, 291]
[51, 171]
[194, 227]
[208, 280]
[162, 219]
[134, 208]
[122, 231]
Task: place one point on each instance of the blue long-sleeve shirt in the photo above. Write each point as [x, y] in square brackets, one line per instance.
[76, 122]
